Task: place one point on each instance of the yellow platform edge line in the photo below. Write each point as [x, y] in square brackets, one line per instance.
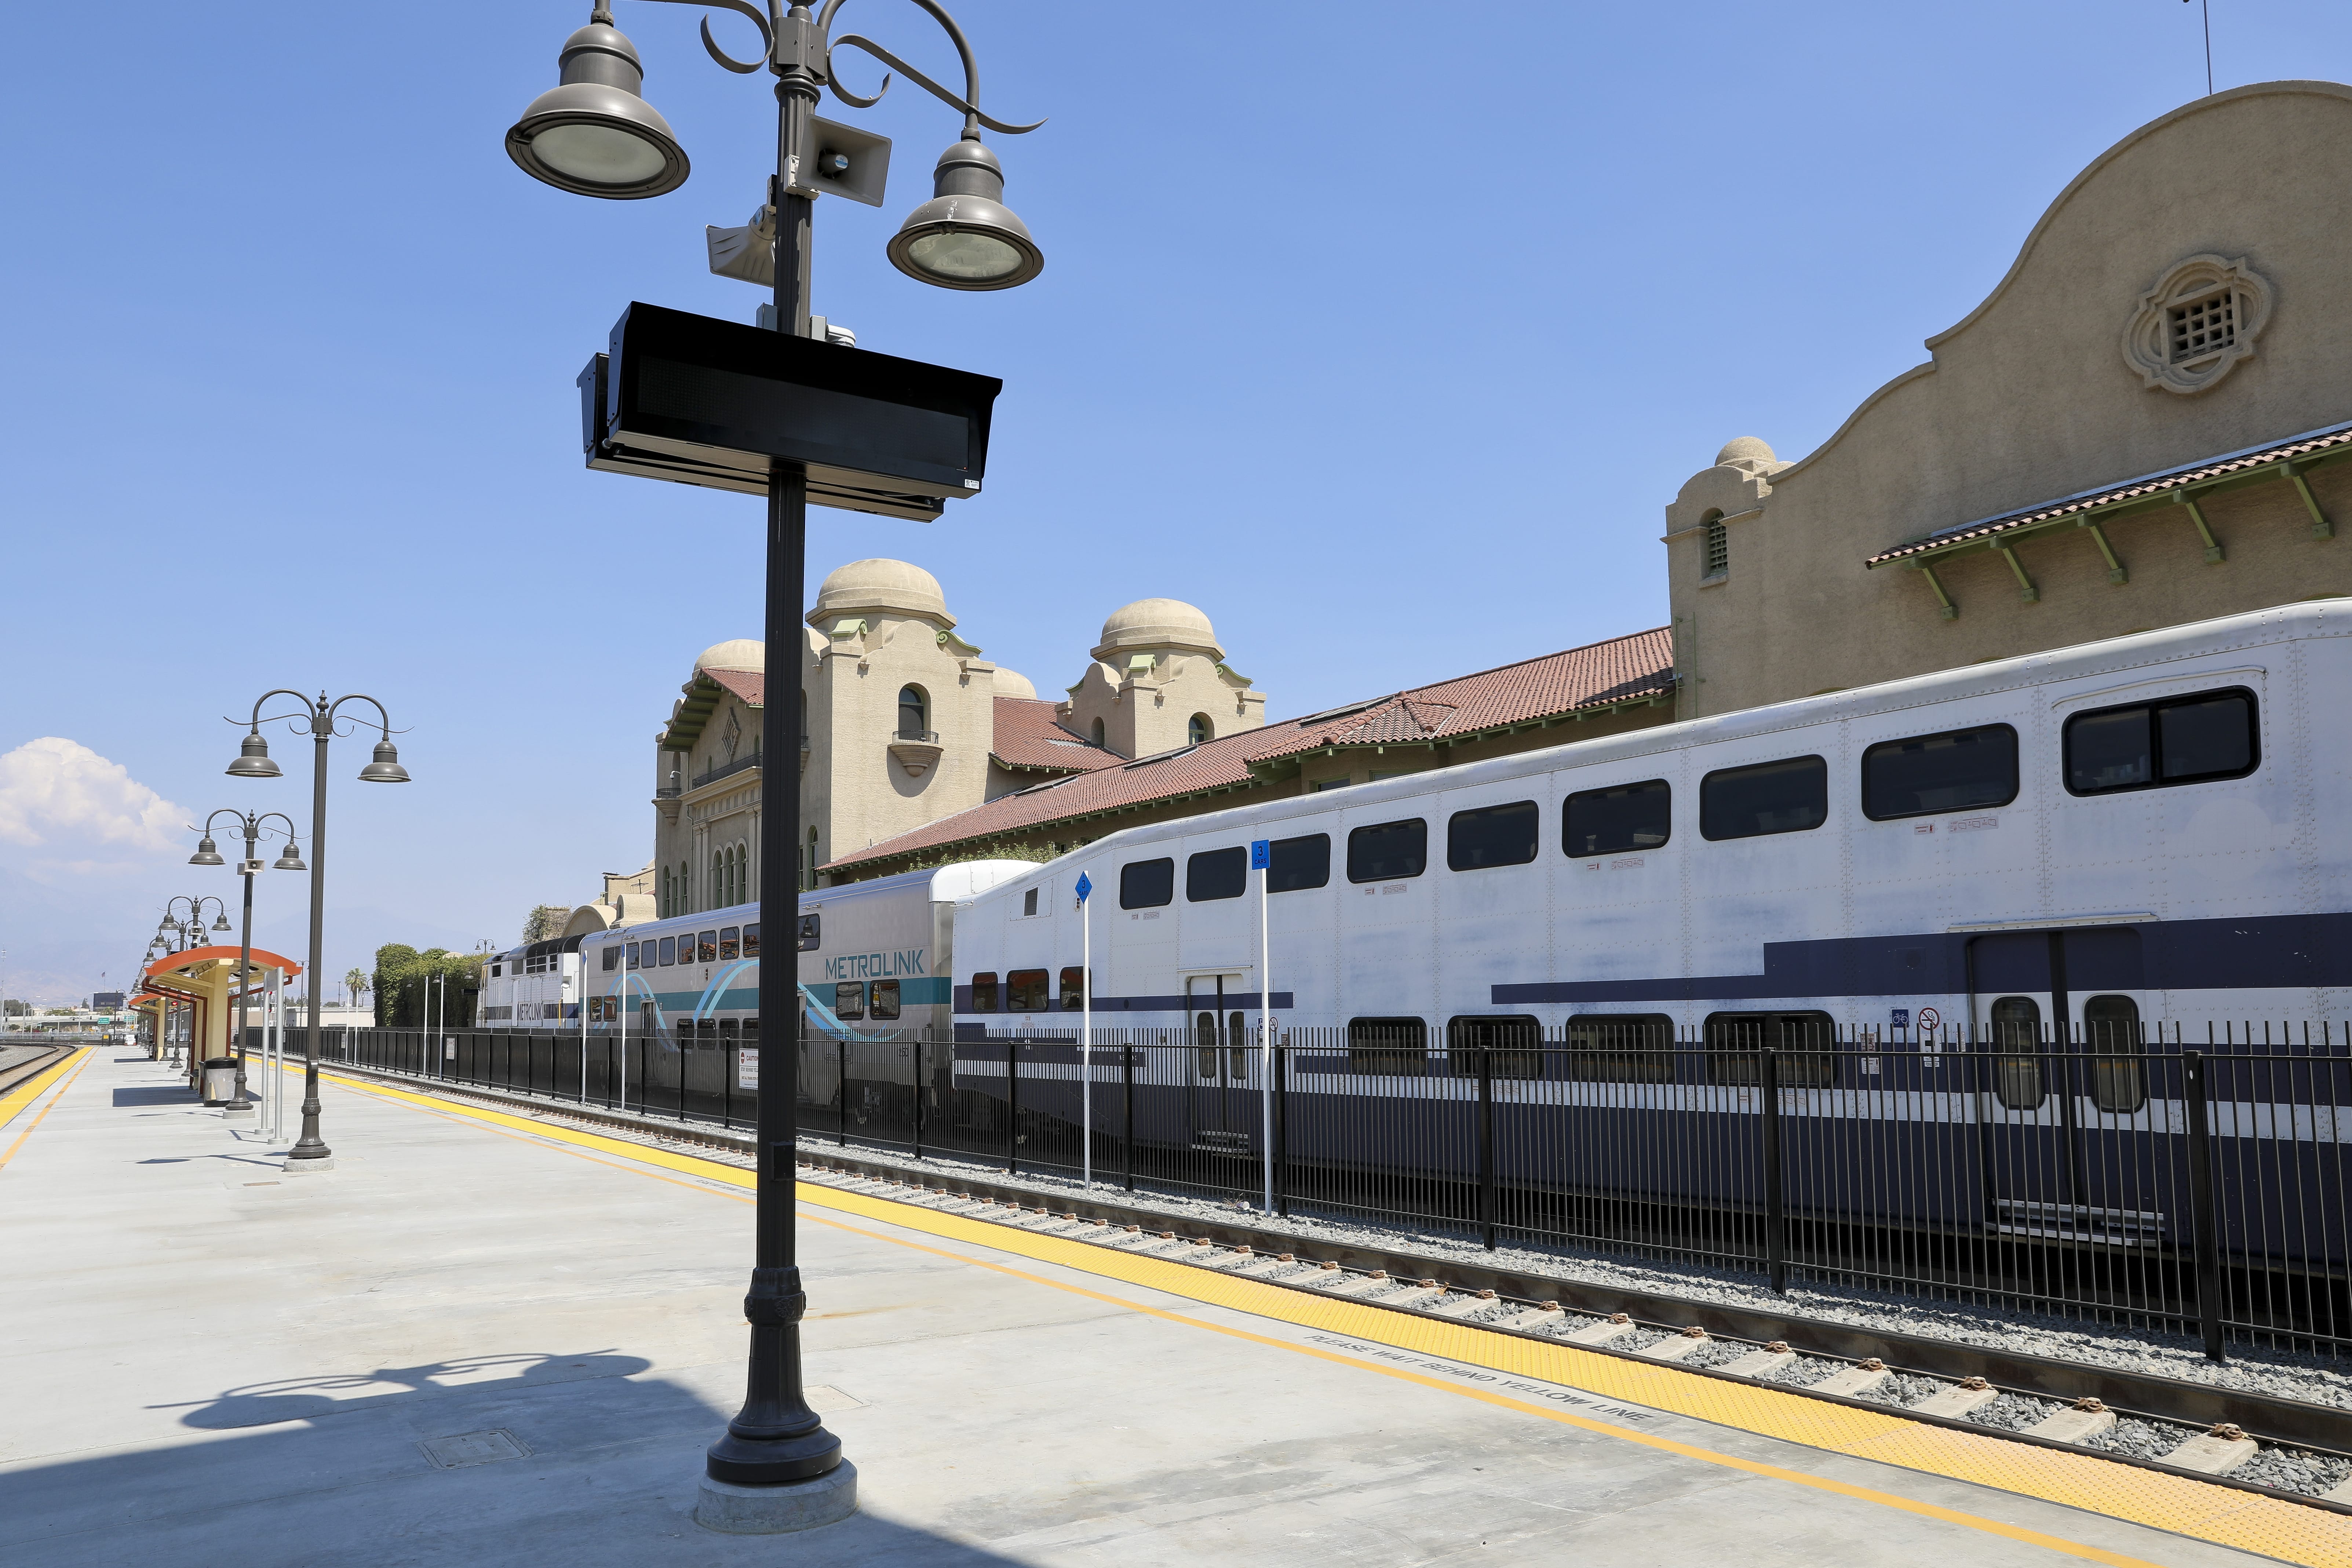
[33, 1088]
[2221, 1515]
[77, 1061]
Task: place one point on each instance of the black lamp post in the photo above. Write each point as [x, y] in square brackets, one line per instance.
[184, 934]
[311, 1152]
[593, 135]
[208, 853]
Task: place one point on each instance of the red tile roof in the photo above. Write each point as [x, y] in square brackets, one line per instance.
[1029, 735]
[2310, 443]
[750, 685]
[1618, 671]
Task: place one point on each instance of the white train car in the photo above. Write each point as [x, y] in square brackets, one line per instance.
[534, 987]
[2141, 830]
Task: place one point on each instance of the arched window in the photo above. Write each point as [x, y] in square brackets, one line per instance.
[1201, 730]
[914, 714]
[1715, 546]
[666, 896]
[808, 872]
[1098, 733]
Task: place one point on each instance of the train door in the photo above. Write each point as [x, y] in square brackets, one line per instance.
[1218, 1072]
[2063, 1082]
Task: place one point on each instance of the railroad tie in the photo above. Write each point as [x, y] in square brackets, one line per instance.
[1676, 1347]
[2085, 1420]
[1757, 1362]
[1604, 1331]
[1542, 1315]
[1956, 1400]
[1462, 1306]
[1854, 1380]
[2216, 1453]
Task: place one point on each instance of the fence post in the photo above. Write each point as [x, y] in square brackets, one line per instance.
[1127, 1107]
[1282, 1130]
[1487, 1147]
[2202, 1212]
[1776, 1263]
[922, 1039]
[1012, 1107]
[841, 1088]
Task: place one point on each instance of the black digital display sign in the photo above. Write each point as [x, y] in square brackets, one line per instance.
[700, 401]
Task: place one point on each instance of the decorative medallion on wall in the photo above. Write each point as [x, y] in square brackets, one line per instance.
[2202, 318]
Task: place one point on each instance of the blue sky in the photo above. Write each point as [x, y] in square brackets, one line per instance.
[1382, 332]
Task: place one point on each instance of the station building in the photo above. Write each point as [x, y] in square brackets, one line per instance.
[2142, 424]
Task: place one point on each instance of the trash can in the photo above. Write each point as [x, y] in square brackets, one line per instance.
[220, 1080]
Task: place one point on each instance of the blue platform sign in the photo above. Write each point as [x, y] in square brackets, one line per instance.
[1085, 887]
[1261, 854]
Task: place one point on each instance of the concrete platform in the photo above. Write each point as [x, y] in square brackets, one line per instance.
[478, 1344]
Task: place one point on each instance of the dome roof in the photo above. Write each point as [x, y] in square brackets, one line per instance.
[1010, 683]
[740, 653]
[1158, 623]
[1745, 452]
[880, 584]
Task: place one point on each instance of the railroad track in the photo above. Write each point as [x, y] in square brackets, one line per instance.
[25, 1068]
[2223, 1436]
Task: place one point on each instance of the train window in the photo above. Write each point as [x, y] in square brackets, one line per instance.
[2017, 1079]
[1792, 795]
[1493, 836]
[1204, 1044]
[1958, 770]
[885, 999]
[1074, 994]
[2183, 740]
[849, 1000]
[728, 1029]
[497, 970]
[2111, 1025]
[669, 950]
[811, 931]
[983, 993]
[633, 956]
[612, 955]
[1216, 874]
[1029, 903]
[1512, 1047]
[1800, 1043]
[1390, 1047]
[1146, 884]
[1299, 863]
[1620, 1047]
[706, 947]
[752, 940]
[1612, 821]
[729, 943]
[1237, 1053]
[1388, 850]
[1024, 991]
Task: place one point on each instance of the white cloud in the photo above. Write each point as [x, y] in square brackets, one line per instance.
[55, 790]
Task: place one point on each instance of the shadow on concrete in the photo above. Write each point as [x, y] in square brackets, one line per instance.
[607, 1475]
[160, 1094]
[301, 1399]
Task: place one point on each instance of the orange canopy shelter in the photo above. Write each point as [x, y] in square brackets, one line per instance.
[208, 980]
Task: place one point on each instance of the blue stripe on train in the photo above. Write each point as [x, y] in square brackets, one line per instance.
[2258, 952]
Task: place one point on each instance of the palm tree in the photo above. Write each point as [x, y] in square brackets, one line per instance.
[356, 983]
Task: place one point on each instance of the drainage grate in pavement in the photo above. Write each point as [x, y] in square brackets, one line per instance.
[473, 1448]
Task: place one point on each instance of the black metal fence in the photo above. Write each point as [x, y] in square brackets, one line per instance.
[2200, 1185]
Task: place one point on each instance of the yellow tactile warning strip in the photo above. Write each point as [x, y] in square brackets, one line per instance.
[31, 1090]
[2221, 1515]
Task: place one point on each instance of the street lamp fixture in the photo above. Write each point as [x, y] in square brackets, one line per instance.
[253, 760]
[776, 1468]
[185, 933]
[252, 827]
[593, 135]
[964, 238]
[319, 720]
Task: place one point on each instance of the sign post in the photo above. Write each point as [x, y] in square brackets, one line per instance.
[1262, 862]
[1086, 1034]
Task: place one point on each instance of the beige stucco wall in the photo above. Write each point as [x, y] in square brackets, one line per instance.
[2029, 399]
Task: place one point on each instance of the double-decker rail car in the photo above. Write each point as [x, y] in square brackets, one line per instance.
[2054, 858]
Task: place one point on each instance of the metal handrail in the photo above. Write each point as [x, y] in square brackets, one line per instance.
[721, 770]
